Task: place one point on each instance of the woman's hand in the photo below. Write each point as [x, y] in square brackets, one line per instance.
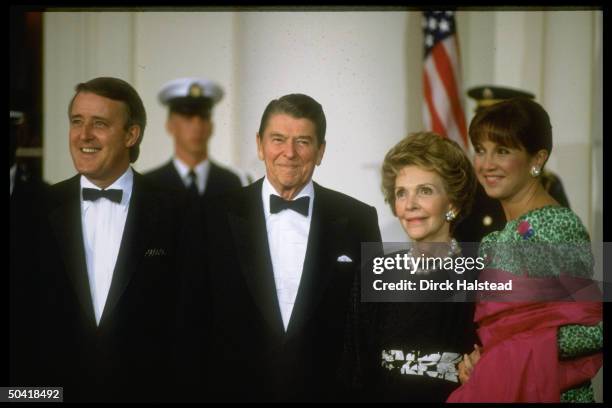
[466, 366]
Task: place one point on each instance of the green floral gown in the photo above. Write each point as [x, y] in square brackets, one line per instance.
[562, 228]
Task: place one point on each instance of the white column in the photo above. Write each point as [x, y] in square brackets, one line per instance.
[597, 159]
[597, 130]
[518, 50]
[567, 96]
[77, 47]
[356, 65]
[477, 52]
[172, 45]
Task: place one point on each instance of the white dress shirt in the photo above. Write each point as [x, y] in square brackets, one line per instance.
[201, 171]
[103, 224]
[287, 237]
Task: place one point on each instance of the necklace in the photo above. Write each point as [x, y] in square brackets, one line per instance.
[423, 265]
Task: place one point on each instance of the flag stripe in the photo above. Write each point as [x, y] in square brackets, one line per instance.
[435, 123]
[447, 78]
[451, 45]
[441, 104]
[426, 115]
[452, 51]
[443, 108]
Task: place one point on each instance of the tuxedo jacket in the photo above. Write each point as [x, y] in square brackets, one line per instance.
[126, 356]
[245, 352]
[219, 180]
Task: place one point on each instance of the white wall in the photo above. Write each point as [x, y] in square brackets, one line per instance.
[78, 47]
[597, 131]
[355, 69]
[567, 95]
[364, 67]
[557, 56]
[189, 44]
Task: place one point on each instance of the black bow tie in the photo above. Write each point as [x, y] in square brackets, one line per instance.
[92, 194]
[277, 204]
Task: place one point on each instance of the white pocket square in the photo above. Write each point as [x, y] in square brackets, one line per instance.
[344, 258]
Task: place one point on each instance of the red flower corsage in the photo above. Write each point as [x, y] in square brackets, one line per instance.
[525, 230]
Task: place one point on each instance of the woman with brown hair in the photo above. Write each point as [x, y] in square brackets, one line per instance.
[535, 349]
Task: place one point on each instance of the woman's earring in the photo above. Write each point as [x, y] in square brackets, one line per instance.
[450, 215]
[535, 172]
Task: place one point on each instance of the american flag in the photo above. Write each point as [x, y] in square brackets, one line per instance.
[443, 104]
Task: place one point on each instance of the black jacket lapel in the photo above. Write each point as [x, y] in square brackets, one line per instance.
[248, 226]
[139, 226]
[167, 177]
[327, 231]
[214, 183]
[65, 221]
[172, 177]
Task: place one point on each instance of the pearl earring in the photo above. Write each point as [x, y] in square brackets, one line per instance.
[535, 172]
[450, 215]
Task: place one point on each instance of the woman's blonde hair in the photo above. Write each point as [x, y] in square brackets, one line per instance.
[432, 152]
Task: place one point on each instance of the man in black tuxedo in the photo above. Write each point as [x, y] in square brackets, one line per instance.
[190, 102]
[282, 256]
[106, 295]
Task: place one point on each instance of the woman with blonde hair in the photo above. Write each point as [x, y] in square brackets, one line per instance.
[407, 351]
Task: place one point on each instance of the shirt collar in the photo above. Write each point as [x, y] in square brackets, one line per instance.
[125, 183]
[267, 188]
[201, 170]
[183, 169]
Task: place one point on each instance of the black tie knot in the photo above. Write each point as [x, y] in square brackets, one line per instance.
[192, 176]
[92, 194]
[278, 204]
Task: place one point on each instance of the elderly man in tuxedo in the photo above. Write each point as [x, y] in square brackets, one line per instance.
[106, 293]
[283, 255]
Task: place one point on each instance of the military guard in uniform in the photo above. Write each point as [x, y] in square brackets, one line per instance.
[190, 102]
[487, 214]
